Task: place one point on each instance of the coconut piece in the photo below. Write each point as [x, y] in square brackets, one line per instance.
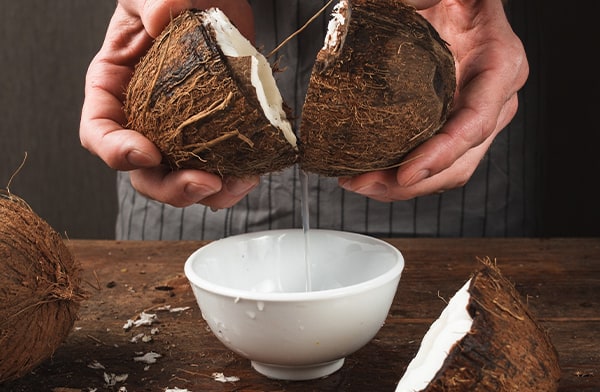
[485, 340]
[208, 100]
[40, 289]
[382, 84]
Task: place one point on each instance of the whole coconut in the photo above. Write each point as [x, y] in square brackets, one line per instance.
[382, 84]
[486, 339]
[208, 100]
[39, 289]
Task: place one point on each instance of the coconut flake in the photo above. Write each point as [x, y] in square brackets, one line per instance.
[234, 44]
[452, 325]
[144, 319]
[148, 358]
[112, 379]
[95, 365]
[141, 336]
[220, 377]
[178, 310]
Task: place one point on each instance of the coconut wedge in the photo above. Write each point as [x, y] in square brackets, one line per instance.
[40, 289]
[485, 340]
[208, 100]
[381, 85]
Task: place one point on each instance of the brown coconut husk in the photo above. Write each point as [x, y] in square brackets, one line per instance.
[386, 87]
[39, 289]
[506, 349]
[198, 106]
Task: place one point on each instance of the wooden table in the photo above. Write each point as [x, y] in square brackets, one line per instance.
[559, 278]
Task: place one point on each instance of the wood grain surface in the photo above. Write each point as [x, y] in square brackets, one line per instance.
[558, 278]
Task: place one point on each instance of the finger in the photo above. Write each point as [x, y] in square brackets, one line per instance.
[383, 185]
[178, 188]
[120, 149]
[100, 129]
[232, 192]
[157, 14]
[453, 177]
[473, 120]
[444, 149]
[374, 185]
[459, 173]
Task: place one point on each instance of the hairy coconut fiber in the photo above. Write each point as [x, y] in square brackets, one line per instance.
[506, 349]
[198, 106]
[382, 84]
[39, 289]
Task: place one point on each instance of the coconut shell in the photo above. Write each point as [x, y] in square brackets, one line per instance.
[198, 106]
[39, 289]
[506, 349]
[380, 86]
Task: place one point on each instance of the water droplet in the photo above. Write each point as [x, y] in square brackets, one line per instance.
[260, 305]
[301, 327]
[236, 300]
[251, 314]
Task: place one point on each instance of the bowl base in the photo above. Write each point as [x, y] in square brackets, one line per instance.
[298, 373]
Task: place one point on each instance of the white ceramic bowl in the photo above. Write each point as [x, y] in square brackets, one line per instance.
[252, 291]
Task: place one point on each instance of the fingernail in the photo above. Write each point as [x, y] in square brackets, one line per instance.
[418, 176]
[238, 187]
[373, 189]
[140, 159]
[198, 191]
[344, 181]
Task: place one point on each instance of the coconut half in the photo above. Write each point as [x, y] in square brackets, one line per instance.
[382, 84]
[208, 100]
[40, 290]
[484, 340]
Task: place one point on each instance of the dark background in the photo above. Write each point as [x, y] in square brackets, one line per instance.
[571, 88]
[45, 48]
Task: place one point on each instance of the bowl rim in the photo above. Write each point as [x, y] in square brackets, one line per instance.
[392, 274]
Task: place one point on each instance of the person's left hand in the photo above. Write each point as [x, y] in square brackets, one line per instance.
[491, 67]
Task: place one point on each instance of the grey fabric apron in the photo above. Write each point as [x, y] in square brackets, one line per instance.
[499, 200]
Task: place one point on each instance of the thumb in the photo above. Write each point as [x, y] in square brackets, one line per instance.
[156, 14]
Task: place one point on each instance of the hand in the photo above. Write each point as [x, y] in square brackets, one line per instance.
[134, 24]
[491, 67]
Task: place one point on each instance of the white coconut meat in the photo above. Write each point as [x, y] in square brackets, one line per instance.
[234, 44]
[452, 325]
[336, 35]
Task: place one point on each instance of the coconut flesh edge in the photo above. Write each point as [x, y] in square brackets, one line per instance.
[233, 44]
[335, 37]
[452, 325]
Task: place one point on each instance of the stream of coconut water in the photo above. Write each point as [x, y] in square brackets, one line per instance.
[305, 226]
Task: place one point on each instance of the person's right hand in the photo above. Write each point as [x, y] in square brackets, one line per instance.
[133, 26]
[491, 67]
